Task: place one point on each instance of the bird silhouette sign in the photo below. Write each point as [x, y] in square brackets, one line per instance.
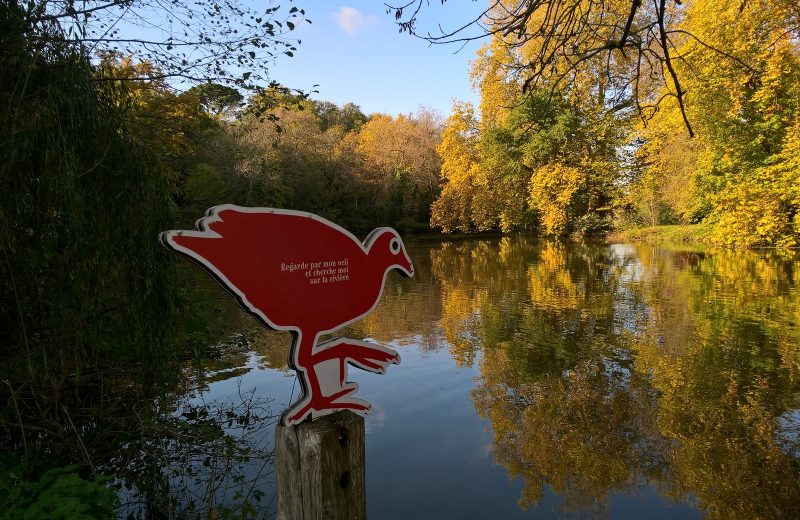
[298, 272]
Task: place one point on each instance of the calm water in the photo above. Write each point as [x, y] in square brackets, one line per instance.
[542, 379]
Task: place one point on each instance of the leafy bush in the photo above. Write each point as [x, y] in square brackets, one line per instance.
[57, 493]
[592, 224]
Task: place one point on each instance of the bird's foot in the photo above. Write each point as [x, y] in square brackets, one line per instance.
[364, 355]
[325, 385]
[318, 406]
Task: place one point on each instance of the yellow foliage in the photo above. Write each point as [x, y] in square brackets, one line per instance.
[489, 75]
[403, 144]
[740, 173]
[551, 190]
[763, 208]
[459, 155]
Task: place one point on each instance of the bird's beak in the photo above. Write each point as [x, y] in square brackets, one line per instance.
[407, 268]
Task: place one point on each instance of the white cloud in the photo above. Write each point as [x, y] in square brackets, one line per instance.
[351, 21]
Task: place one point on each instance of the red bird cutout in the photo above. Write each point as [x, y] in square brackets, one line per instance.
[298, 272]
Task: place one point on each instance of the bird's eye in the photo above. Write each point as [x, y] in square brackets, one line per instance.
[394, 245]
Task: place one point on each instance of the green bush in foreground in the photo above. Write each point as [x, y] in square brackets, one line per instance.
[57, 493]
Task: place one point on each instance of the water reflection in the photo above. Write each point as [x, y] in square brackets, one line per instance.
[604, 367]
[617, 380]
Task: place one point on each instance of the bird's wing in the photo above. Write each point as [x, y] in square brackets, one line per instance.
[266, 258]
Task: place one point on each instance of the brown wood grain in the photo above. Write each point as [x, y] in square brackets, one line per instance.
[320, 469]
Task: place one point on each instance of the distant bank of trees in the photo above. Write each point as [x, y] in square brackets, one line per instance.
[615, 114]
[282, 150]
[360, 171]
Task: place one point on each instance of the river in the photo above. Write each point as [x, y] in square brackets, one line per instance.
[547, 379]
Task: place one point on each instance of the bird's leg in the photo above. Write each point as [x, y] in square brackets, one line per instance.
[323, 373]
[300, 359]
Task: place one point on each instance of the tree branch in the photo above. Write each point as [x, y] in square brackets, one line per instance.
[668, 61]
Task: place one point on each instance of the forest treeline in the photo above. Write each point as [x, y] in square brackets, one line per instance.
[588, 155]
[282, 150]
[577, 157]
[603, 140]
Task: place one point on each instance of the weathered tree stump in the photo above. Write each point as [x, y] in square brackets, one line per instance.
[320, 469]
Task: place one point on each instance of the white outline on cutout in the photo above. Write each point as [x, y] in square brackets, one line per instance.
[204, 231]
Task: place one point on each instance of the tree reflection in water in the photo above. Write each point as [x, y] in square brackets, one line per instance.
[605, 367]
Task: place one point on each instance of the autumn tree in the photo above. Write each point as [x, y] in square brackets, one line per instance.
[217, 99]
[453, 209]
[333, 160]
[728, 76]
[635, 44]
[547, 156]
[295, 165]
[734, 175]
[400, 166]
[170, 123]
[485, 183]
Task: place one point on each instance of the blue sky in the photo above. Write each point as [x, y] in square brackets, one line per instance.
[354, 52]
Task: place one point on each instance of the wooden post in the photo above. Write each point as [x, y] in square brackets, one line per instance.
[320, 469]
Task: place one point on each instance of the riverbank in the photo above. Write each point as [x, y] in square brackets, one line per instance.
[691, 233]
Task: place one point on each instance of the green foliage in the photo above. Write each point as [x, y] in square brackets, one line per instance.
[549, 160]
[86, 292]
[80, 205]
[204, 187]
[91, 323]
[546, 126]
[217, 99]
[55, 493]
[668, 234]
[593, 224]
[348, 116]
